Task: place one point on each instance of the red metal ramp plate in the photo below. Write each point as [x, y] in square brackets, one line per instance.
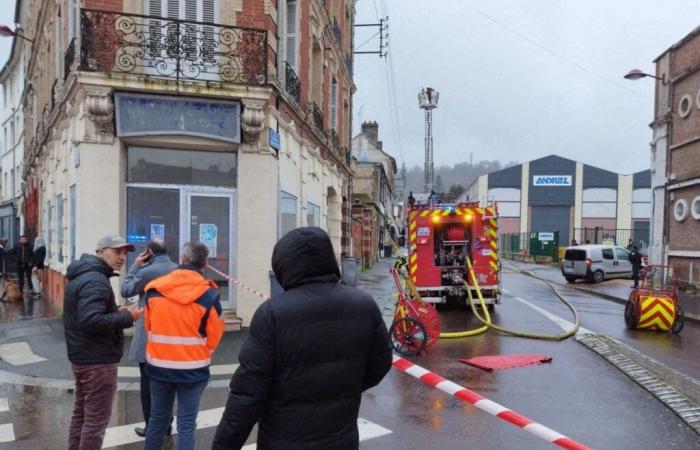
[500, 362]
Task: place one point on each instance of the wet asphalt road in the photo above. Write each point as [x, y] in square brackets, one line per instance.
[578, 394]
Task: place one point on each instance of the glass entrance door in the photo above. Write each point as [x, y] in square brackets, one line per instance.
[210, 220]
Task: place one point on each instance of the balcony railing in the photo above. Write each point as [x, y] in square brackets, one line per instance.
[69, 59]
[115, 42]
[292, 83]
[317, 116]
[334, 139]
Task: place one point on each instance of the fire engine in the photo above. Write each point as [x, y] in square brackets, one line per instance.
[441, 235]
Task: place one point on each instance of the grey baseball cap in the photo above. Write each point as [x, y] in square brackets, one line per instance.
[114, 241]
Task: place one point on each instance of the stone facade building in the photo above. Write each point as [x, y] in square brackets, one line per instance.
[374, 198]
[675, 156]
[221, 121]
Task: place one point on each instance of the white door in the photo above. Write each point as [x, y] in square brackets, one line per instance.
[210, 219]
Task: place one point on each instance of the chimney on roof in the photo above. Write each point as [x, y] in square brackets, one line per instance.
[371, 130]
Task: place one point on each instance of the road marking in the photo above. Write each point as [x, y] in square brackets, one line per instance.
[564, 324]
[218, 369]
[4, 405]
[124, 434]
[7, 432]
[19, 354]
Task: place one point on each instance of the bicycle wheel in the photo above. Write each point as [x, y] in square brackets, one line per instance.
[408, 336]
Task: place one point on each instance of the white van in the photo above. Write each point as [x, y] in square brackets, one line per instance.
[596, 263]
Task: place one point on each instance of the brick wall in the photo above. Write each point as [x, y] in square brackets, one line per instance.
[54, 285]
[104, 5]
[684, 235]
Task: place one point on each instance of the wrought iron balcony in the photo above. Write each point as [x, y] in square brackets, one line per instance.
[317, 116]
[292, 83]
[69, 59]
[334, 139]
[336, 30]
[151, 46]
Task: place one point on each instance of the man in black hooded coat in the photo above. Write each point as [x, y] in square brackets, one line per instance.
[310, 353]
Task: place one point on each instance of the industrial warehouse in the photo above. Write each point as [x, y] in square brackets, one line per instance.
[579, 201]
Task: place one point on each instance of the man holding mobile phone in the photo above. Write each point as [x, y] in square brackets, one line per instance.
[153, 263]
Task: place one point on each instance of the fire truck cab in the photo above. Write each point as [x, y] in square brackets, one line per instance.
[441, 236]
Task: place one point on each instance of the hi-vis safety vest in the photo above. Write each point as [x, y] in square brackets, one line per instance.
[183, 325]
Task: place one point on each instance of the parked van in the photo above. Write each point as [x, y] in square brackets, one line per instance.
[596, 263]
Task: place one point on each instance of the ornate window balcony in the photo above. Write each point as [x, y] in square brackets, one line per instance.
[157, 47]
[317, 116]
[292, 83]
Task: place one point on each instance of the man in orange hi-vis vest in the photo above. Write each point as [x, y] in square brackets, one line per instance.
[183, 325]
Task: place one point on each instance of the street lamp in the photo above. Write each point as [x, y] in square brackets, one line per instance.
[6, 31]
[636, 74]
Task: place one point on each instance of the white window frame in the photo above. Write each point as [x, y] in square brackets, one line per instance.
[312, 209]
[334, 104]
[59, 227]
[72, 220]
[293, 197]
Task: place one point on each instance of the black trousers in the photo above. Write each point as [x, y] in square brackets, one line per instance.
[22, 272]
[145, 393]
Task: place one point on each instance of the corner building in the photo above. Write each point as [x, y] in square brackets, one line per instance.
[220, 121]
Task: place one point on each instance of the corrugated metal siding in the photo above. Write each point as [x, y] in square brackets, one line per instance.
[510, 177]
[552, 195]
[594, 177]
[641, 179]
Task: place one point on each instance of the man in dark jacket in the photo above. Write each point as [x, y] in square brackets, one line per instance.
[153, 263]
[94, 328]
[310, 354]
[25, 258]
[636, 261]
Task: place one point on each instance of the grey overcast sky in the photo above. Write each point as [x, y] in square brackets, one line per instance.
[517, 79]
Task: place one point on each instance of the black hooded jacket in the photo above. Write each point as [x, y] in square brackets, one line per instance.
[310, 354]
[93, 325]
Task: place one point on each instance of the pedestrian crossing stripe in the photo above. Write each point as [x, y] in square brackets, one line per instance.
[124, 434]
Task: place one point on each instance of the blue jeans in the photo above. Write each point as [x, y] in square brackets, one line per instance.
[163, 396]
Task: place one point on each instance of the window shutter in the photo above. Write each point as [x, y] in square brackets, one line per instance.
[334, 105]
[208, 32]
[154, 8]
[292, 34]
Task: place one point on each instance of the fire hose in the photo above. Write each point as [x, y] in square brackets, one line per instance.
[486, 318]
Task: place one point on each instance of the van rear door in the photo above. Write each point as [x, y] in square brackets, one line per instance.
[575, 262]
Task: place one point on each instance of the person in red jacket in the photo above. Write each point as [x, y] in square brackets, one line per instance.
[183, 326]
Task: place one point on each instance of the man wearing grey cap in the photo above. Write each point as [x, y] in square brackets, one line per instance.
[94, 327]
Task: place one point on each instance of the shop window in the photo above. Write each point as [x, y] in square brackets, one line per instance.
[165, 166]
[59, 226]
[287, 213]
[313, 215]
[72, 225]
[153, 213]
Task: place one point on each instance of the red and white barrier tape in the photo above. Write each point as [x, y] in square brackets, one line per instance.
[462, 393]
[484, 404]
[239, 283]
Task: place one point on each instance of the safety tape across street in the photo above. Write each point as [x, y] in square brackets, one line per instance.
[239, 283]
[460, 392]
[484, 404]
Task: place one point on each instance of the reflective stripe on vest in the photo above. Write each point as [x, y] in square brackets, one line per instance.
[177, 340]
[167, 364]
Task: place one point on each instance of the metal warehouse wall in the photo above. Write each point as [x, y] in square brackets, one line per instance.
[642, 180]
[599, 178]
[552, 195]
[506, 178]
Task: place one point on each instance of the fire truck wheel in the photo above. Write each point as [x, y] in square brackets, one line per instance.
[408, 336]
[631, 315]
[598, 276]
[679, 322]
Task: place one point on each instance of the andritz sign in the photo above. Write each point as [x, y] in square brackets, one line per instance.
[551, 180]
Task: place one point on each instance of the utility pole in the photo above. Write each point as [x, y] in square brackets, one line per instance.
[428, 101]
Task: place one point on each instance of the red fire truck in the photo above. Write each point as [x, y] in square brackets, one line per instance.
[441, 235]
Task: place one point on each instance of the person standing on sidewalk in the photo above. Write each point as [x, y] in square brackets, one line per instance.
[25, 257]
[94, 328]
[310, 353]
[636, 261]
[153, 263]
[184, 327]
[38, 261]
